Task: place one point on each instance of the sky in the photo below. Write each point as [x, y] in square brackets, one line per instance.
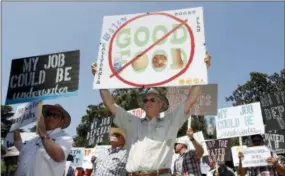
[242, 37]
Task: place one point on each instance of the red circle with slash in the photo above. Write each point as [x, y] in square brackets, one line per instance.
[192, 48]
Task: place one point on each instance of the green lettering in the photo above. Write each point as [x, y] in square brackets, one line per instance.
[143, 42]
[179, 38]
[248, 120]
[125, 53]
[156, 30]
[123, 39]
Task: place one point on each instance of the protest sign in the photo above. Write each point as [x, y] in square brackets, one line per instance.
[199, 137]
[100, 130]
[235, 150]
[244, 120]
[219, 150]
[43, 77]
[273, 111]
[169, 52]
[205, 105]
[26, 114]
[276, 141]
[78, 155]
[26, 136]
[141, 113]
[255, 156]
[88, 153]
[99, 150]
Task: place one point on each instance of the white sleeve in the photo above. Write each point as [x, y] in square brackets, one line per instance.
[65, 142]
[124, 119]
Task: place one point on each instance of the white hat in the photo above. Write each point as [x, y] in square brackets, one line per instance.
[182, 140]
[12, 151]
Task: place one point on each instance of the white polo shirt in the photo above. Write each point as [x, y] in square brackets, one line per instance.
[150, 142]
[35, 161]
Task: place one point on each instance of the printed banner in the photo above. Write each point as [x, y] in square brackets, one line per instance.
[78, 155]
[88, 153]
[244, 120]
[26, 114]
[219, 150]
[169, 52]
[43, 77]
[273, 110]
[255, 156]
[100, 130]
[275, 141]
[235, 151]
[205, 105]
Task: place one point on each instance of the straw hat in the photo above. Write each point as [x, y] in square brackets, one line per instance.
[12, 151]
[66, 116]
[119, 131]
[155, 92]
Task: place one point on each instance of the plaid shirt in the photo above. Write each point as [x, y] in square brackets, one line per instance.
[187, 164]
[111, 163]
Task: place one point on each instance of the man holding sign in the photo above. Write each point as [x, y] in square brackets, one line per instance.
[150, 140]
[46, 154]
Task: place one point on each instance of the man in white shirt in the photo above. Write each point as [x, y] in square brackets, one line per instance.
[150, 140]
[46, 154]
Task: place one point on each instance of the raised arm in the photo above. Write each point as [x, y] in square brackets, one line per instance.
[18, 140]
[195, 90]
[107, 98]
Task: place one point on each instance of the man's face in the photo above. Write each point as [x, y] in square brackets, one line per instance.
[152, 105]
[178, 147]
[53, 118]
[116, 139]
[257, 141]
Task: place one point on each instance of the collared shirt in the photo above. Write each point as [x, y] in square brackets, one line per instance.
[35, 161]
[111, 163]
[187, 164]
[150, 142]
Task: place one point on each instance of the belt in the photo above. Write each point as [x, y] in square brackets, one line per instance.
[150, 173]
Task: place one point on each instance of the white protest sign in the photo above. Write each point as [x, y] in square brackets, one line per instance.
[256, 156]
[244, 120]
[141, 113]
[26, 114]
[78, 155]
[169, 52]
[88, 153]
[26, 136]
[100, 149]
[235, 151]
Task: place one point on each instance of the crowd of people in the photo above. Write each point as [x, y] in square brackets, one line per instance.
[139, 147]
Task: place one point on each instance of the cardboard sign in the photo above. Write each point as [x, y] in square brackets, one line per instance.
[100, 149]
[255, 156]
[78, 155]
[88, 153]
[169, 52]
[235, 150]
[205, 105]
[273, 111]
[26, 114]
[26, 136]
[100, 130]
[43, 77]
[276, 141]
[244, 120]
[219, 150]
[199, 137]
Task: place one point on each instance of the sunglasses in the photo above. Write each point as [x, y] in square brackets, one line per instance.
[153, 100]
[116, 134]
[54, 115]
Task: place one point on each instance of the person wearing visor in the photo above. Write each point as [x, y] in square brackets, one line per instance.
[113, 161]
[46, 154]
[188, 161]
[271, 170]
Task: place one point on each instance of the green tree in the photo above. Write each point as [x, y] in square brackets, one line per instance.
[6, 112]
[258, 85]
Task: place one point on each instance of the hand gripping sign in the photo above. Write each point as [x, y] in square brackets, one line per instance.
[152, 50]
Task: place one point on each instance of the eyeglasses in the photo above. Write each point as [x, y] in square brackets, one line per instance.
[153, 100]
[54, 115]
[116, 134]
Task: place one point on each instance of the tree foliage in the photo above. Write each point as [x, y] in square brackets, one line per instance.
[6, 112]
[259, 85]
